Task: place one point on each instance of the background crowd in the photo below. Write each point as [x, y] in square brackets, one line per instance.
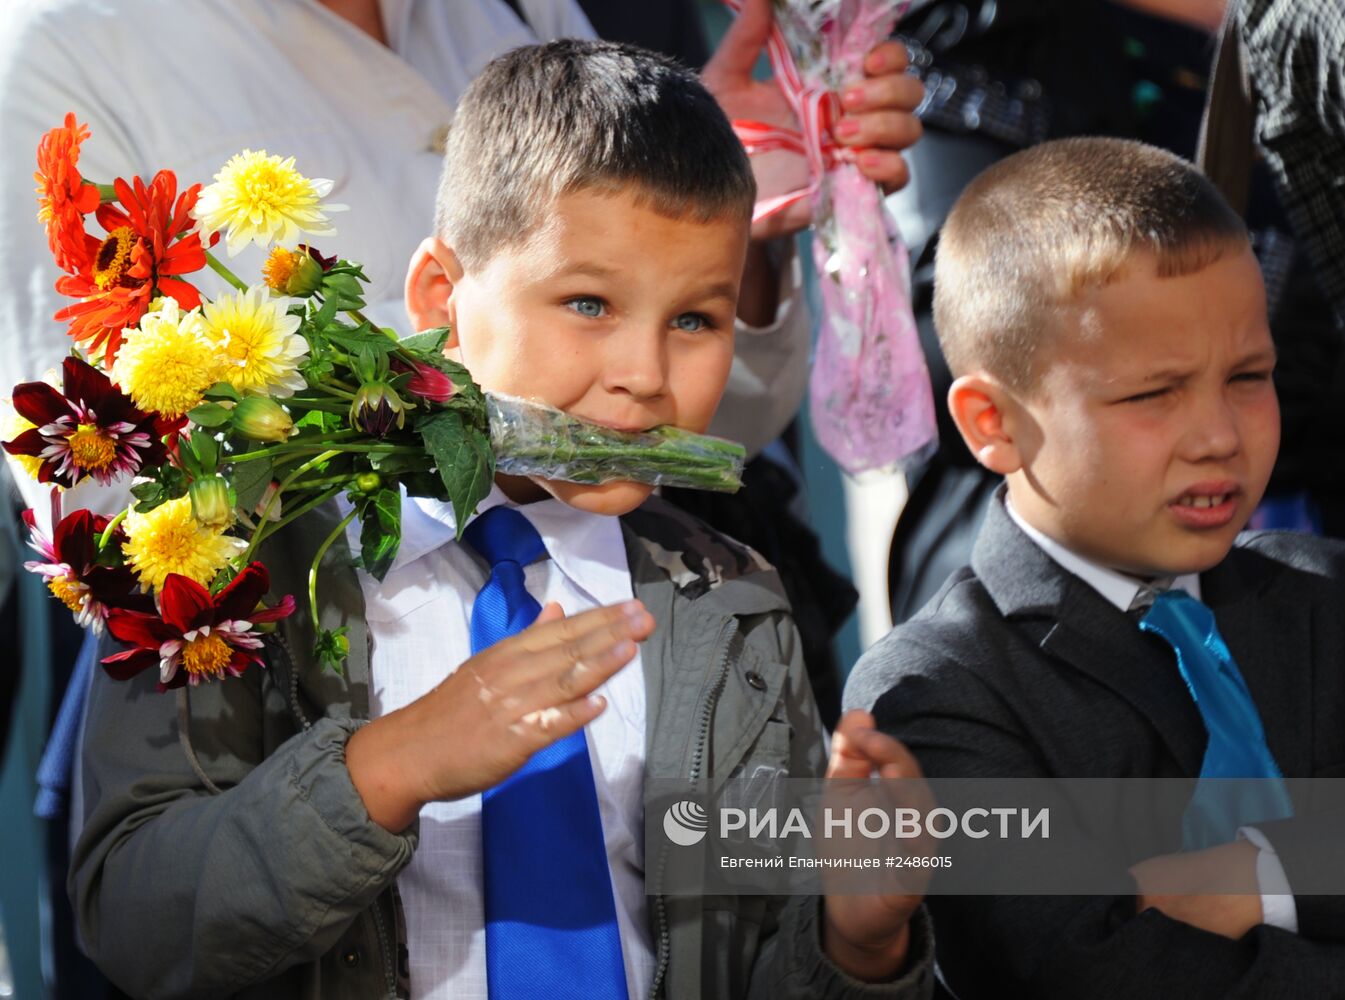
[363, 93]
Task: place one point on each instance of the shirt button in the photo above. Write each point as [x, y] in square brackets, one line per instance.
[350, 958]
[756, 680]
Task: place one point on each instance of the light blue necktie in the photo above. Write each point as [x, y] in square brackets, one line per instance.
[551, 928]
[1237, 742]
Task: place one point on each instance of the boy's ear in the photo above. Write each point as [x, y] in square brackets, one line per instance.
[430, 277]
[983, 411]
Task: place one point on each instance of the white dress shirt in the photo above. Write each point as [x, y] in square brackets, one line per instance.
[199, 80]
[419, 620]
[1120, 589]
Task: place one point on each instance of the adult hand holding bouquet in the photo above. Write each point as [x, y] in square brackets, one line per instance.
[871, 402]
[241, 414]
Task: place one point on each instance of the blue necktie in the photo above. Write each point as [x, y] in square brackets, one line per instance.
[1237, 742]
[551, 928]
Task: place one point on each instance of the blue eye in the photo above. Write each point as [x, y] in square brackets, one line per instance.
[691, 322]
[587, 305]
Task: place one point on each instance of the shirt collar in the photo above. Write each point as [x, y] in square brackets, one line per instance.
[1117, 588]
[589, 549]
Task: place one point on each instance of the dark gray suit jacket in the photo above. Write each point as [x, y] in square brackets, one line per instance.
[1020, 669]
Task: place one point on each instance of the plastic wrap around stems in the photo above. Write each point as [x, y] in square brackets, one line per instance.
[871, 402]
[532, 439]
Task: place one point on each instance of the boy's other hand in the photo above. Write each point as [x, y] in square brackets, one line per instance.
[484, 721]
[878, 121]
[868, 936]
[1186, 887]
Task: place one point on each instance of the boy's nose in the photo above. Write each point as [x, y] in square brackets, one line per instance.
[1214, 432]
[636, 363]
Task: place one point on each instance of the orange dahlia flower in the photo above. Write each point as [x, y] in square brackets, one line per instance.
[140, 257]
[63, 199]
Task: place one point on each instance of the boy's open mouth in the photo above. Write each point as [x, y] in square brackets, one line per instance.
[1207, 505]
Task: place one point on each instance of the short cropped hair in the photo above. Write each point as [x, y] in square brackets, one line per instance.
[571, 115]
[1033, 231]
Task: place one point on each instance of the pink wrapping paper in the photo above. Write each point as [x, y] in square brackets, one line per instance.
[871, 403]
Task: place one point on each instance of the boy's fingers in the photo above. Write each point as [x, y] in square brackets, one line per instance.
[576, 679]
[545, 726]
[628, 620]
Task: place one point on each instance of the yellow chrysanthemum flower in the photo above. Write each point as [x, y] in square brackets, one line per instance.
[262, 199]
[11, 426]
[168, 539]
[255, 339]
[167, 362]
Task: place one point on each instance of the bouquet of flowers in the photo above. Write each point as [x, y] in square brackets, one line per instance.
[871, 402]
[235, 416]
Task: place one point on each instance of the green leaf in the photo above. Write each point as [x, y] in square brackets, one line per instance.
[463, 457]
[357, 338]
[380, 531]
[206, 448]
[222, 390]
[250, 479]
[331, 649]
[168, 483]
[209, 415]
[430, 343]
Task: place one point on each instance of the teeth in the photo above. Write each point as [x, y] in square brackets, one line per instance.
[1204, 502]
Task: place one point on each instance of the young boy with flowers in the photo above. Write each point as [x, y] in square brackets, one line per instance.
[1105, 317]
[458, 813]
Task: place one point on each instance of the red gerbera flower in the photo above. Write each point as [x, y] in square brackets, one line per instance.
[69, 564]
[141, 257]
[91, 430]
[63, 198]
[198, 637]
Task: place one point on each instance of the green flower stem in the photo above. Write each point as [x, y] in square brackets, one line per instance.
[219, 268]
[288, 448]
[275, 498]
[269, 528]
[106, 192]
[314, 484]
[317, 560]
[111, 529]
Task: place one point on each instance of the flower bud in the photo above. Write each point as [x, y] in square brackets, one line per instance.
[210, 504]
[260, 418]
[368, 482]
[377, 409]
[292, 272]
[427, 382]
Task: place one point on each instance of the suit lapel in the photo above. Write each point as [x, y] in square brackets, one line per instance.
[1268, 625]
[1089, 634]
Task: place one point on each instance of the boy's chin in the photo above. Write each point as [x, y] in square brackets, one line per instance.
[613, 498]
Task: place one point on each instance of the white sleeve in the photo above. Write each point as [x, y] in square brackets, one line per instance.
[1277, 899]
[770, 369]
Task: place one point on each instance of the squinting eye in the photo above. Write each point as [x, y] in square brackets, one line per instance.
[1145, 396]
[587, 305]
[691, 322]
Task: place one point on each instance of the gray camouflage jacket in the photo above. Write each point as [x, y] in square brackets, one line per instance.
[280, 886]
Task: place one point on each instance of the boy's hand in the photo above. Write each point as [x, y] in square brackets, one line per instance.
[494, 712]
[868, 936]
[1186, 887]
[878, 115]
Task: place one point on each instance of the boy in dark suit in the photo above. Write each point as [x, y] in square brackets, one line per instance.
[1101, 307]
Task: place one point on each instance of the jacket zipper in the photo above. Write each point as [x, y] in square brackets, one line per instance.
[389, 973]
[380, 926]
[697, 765]
[293, 671]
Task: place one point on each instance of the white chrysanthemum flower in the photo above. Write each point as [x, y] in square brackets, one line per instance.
[259, 347]
[263, 200]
